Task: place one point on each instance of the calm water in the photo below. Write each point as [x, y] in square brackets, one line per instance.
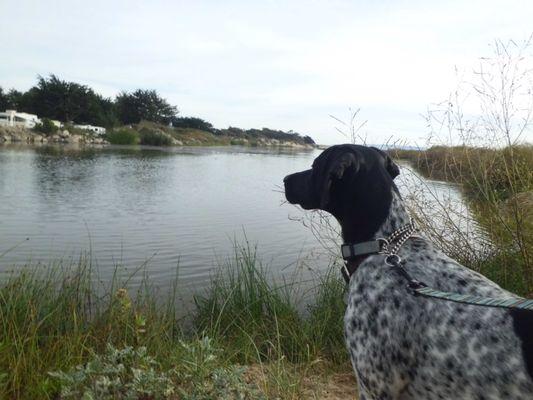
[162, 207]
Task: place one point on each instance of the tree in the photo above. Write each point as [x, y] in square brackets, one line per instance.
[14, 99]
[3, 100]
[67, 101]
[45, 126]
[192, 122]
[146, 105]
[9, 100]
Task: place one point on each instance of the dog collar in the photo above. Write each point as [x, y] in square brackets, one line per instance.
[355, 253]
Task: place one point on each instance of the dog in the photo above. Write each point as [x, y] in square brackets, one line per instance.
[404, 346]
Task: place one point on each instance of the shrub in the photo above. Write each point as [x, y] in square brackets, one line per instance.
[118, 374]
[46, 126]
[154, 138]
[131, 373]
[123, 136]
[203, 376]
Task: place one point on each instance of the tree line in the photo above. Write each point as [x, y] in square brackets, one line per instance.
[56, 99]
[65, 101]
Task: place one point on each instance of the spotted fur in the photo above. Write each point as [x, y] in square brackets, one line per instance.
[404, 346]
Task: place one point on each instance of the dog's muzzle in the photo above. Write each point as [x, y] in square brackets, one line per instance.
[298, 190]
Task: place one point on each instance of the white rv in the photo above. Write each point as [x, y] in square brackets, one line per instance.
[95, 129]
[14, 118]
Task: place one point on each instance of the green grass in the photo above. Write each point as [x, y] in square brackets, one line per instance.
[256, 319]
[154, 138]
[123, 137]
[487, 174]
[498, 184]
[53, 318]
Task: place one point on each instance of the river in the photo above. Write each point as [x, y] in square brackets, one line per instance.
[159, 209]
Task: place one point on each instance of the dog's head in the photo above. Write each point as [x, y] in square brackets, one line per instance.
[354, 183]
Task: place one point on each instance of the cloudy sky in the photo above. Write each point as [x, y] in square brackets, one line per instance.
[278, 64]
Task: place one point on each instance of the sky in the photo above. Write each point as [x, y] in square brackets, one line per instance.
[288, 65]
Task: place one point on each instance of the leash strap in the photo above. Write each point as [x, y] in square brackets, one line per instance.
[421, 289]
[514, 302]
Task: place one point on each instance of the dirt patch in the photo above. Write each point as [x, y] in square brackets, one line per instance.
[302, 382]
[335, 386]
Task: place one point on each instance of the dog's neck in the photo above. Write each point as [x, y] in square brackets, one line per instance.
[396, 217]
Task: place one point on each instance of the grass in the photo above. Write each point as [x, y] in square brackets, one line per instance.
[154, 134]
[196, 137]
[498, 183]
[258, 320]
[123, 136]
[154, 137]
[54, 318]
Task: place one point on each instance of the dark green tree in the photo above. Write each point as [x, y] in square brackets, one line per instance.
[144, 105]
[46, 126]
[3, 100]
[15, 99]
[67, 101]
[10, 100]
[192, 122]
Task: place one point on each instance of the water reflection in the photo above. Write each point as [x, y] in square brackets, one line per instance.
[177, 205]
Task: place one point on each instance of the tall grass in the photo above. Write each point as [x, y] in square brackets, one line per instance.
[498, 183]
[151, 137]
[52, 318]
[123, 137]
[256, 319]
[56, 317]
[489, 115]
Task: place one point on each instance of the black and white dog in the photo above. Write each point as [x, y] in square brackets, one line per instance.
[404, 346]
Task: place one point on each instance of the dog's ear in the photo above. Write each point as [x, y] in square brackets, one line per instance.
[347, 162]
[391, 167]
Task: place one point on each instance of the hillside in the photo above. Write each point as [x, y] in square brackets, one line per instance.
[150, 132]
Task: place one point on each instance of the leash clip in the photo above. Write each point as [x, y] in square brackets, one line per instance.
[393, 260]
[413, 285]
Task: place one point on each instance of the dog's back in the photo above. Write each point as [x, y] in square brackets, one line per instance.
[410, 347]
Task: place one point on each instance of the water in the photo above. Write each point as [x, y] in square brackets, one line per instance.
[155, 207]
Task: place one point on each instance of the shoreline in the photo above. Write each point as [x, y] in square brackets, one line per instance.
[18, 135]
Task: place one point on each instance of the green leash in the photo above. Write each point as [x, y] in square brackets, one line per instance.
[515, 302]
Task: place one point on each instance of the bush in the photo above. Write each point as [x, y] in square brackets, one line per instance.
[131, 373]
[118, 374]
[123, 136]
[154, 138]
[202, 375]
[46, 126]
